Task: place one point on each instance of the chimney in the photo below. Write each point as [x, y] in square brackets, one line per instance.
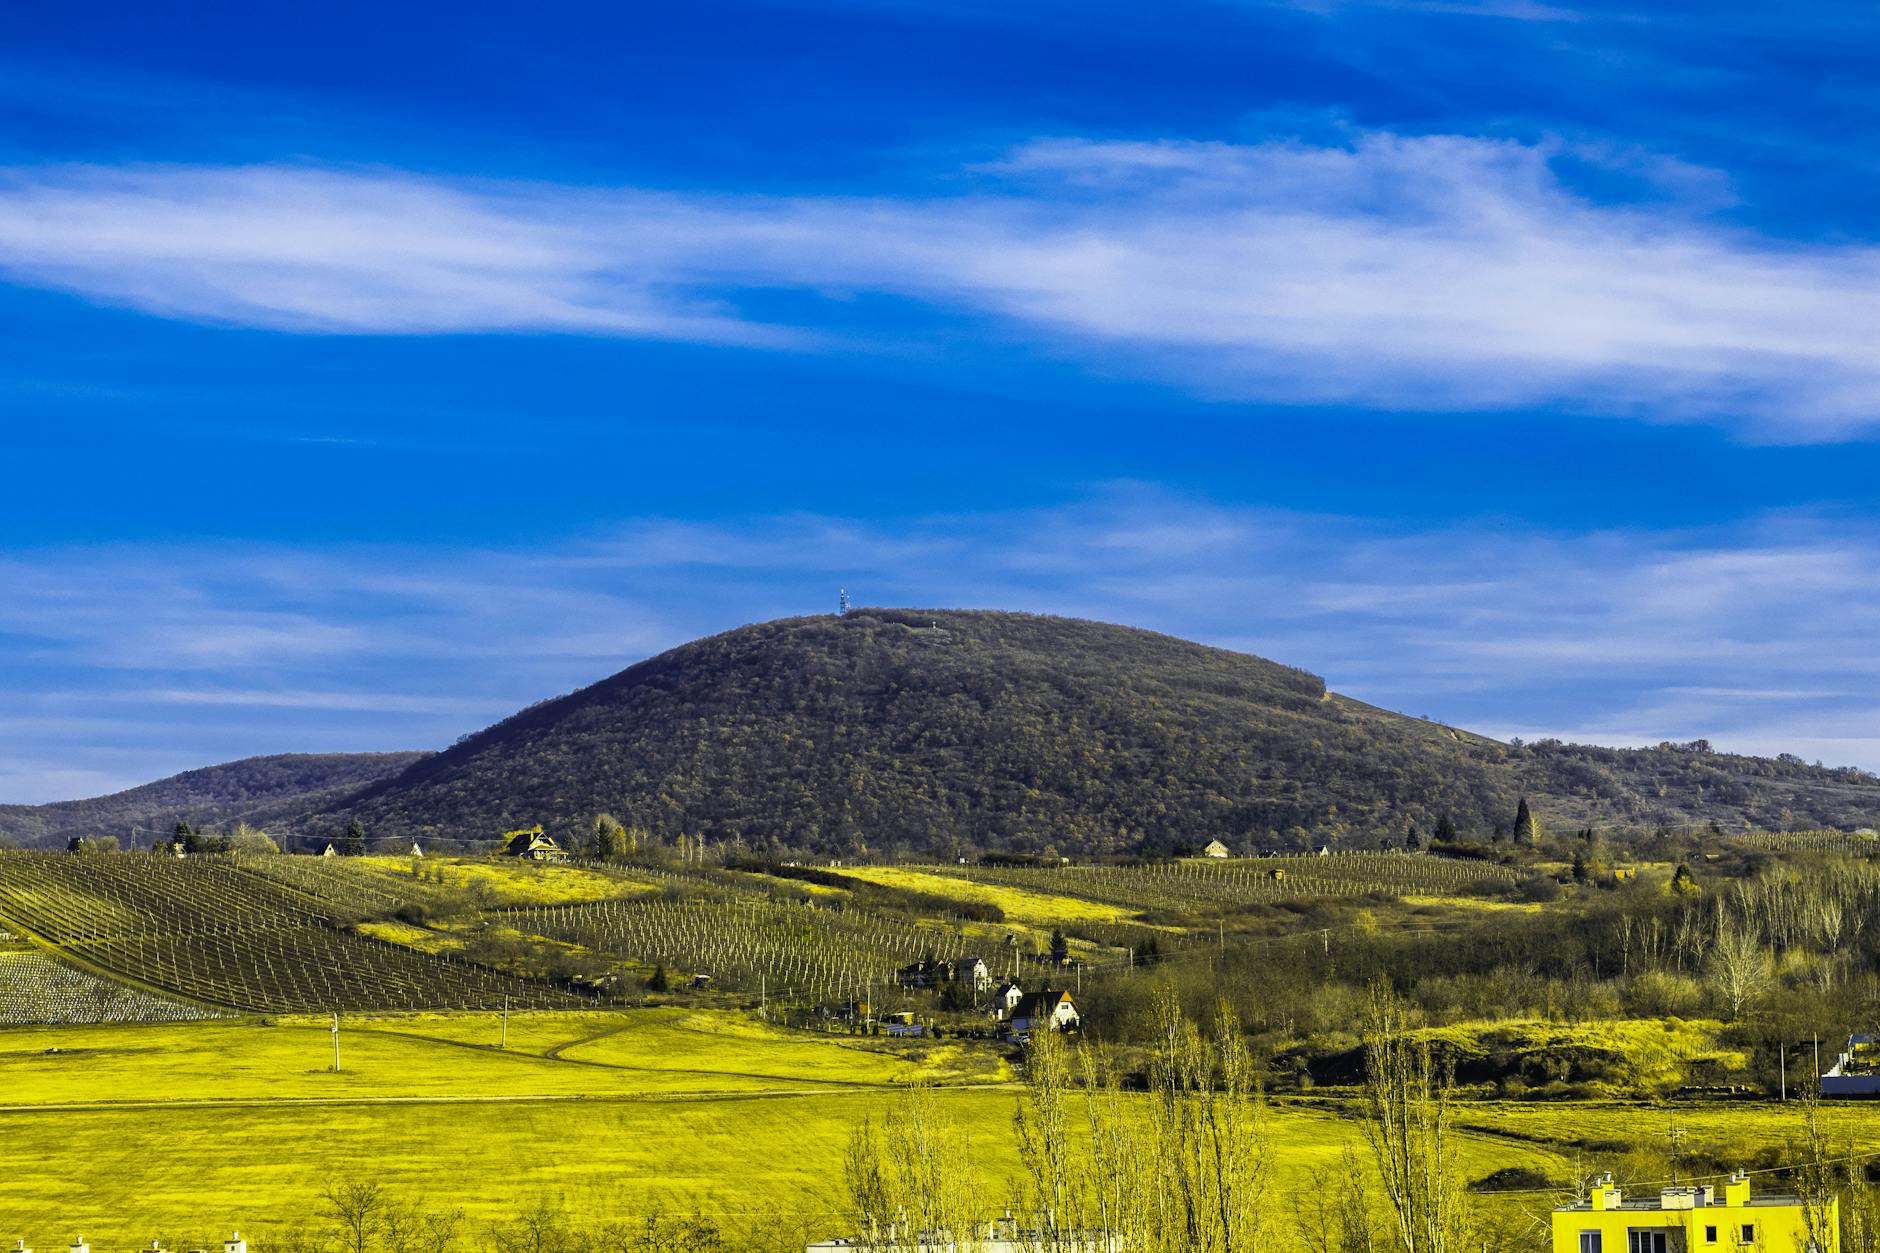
[19, 1246]
[1736, 1189]
[79, 1245]
[1605, 1196]
[235, 1243]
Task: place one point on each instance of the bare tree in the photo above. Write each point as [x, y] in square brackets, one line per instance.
[358, 1207]
[1337, 1214]
[542, 1228]
[1209, 1152]
[1739, 965]
[1407, 1125]
[437, 1230]
[911, 1182]
[1816, 1179]
[1042, 1126]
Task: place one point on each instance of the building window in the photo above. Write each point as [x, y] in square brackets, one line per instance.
[1749, 1233]
[1646, 1241]
[1710, 1235]
[1589, 1242]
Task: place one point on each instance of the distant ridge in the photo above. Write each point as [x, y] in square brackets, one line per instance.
[950, 732]
[254, 789]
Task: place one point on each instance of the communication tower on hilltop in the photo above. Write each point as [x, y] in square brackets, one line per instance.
[842, 602]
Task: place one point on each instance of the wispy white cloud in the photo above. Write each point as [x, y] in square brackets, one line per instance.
[1756, 635]
[1395, 271]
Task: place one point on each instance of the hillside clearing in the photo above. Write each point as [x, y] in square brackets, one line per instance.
[1018, 904]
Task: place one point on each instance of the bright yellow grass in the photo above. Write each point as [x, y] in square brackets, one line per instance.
[519, 882]
[1472, 904]
[410, 936]
[1018, 904]
[477, 1139]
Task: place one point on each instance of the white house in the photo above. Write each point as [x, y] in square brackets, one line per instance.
[973, 972]
[1049, 1010]
[1216, 849]
[1005, 999]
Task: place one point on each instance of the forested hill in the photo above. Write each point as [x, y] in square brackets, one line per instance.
[255, 788]
[950, 732]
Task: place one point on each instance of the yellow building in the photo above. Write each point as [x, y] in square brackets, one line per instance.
[1691, 1220]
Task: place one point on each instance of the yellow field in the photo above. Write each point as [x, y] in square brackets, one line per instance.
[513, 882]
[1471, 904]
[1018, 904]
[1727, 1132]
[176, 1133]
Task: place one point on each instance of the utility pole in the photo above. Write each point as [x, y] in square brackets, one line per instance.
[1784, 1067]
[504, 1043]
[336, 1041]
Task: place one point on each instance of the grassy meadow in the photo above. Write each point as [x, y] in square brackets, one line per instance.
[177, 1132]
[1018, 904]
[1588, 1020]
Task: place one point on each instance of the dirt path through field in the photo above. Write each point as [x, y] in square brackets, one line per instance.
[553, 1055]
[602, 1034]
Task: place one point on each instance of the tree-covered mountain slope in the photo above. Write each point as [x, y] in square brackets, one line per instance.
[948, 732]
[254, 789]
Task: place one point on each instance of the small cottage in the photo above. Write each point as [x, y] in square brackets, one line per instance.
[533, 844]
[1215, 848]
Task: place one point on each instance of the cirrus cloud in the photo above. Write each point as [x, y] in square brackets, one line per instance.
[1400, 272]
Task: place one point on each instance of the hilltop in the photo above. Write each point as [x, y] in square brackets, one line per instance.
[953, 732]
[252, 789]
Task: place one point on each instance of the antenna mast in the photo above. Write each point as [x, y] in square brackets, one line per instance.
[842, 602]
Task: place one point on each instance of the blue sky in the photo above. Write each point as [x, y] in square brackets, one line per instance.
[372, 371]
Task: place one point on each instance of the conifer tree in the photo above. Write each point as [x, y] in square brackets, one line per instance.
[1527, 827]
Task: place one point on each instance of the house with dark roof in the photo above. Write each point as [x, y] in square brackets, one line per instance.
[973, 972]
[532, 844]
[1044, 1010]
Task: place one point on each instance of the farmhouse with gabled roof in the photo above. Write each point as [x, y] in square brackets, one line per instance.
[532, 844]
[1047, 1009]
